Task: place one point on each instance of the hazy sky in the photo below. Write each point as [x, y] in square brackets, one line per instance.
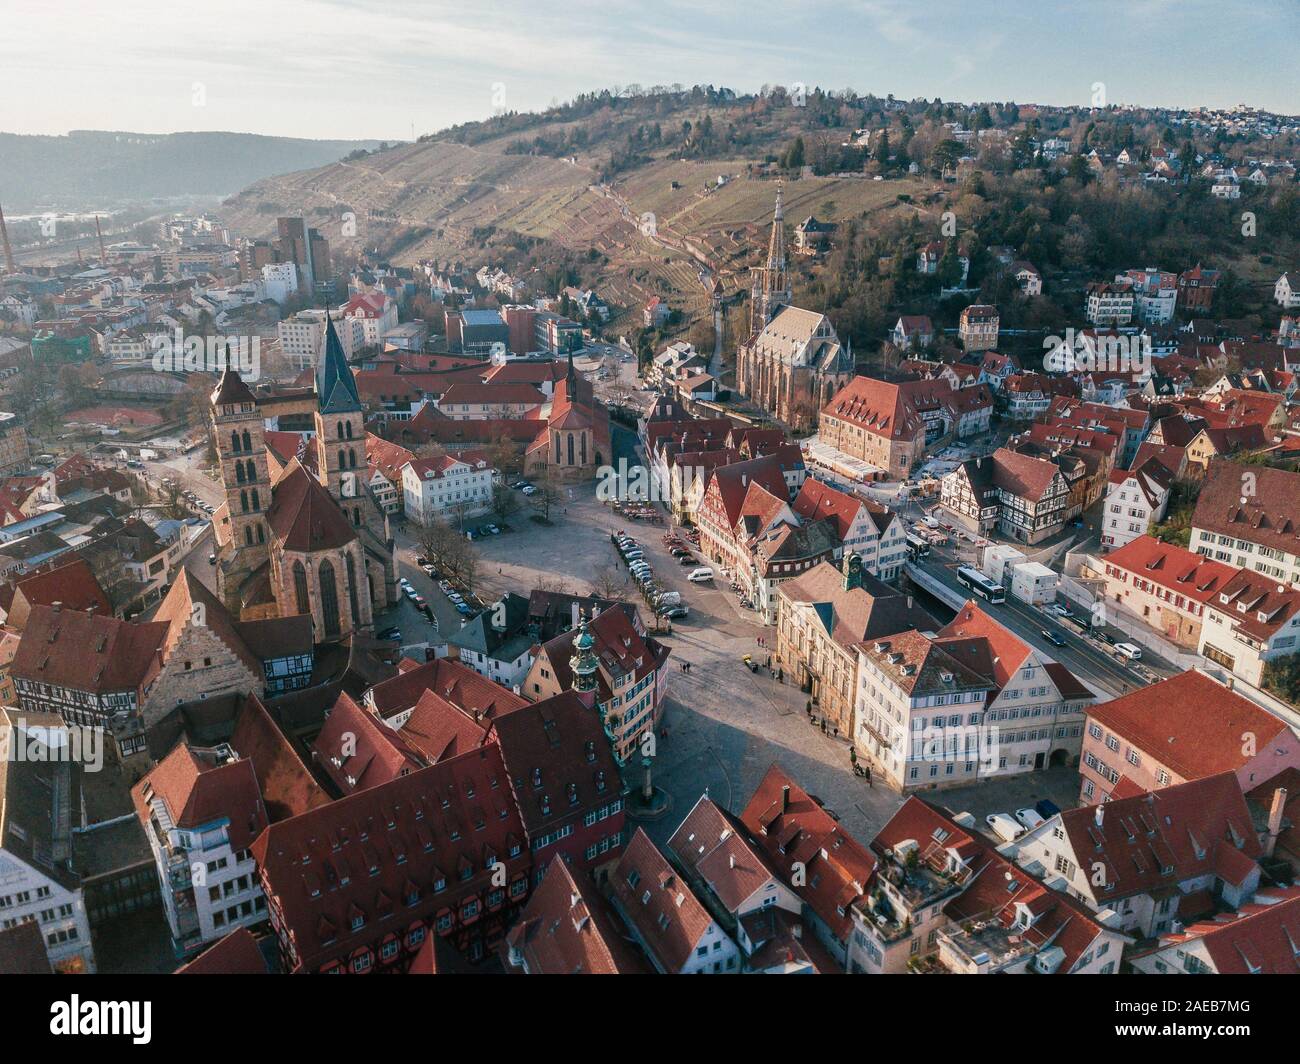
[344, 68]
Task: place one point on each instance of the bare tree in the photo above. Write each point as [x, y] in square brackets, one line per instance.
[609, 583]
[546, 496]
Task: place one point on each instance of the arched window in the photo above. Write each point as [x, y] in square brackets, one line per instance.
[239, 472]
[343, 460]
[261, 534]
[257, 505]
[348, 426]
[352, 458]
[340, 428]
[570, 448]
[243, 501]
[234, 442]
[250, 471]
[300, 587]
[248, 441]
[584, 448]
[248, 535]
[329, 599]
[352, 591]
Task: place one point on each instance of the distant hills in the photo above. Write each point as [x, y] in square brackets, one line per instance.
[96, 168]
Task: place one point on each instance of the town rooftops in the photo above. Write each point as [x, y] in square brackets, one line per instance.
[1184, 572]
[1152, 841]
[921, 666]
[669, 919]
[568, 928]
[716, 849]
[1258, 939]
[1250, 503]
[199, 787]
[1193, 725]
[791, 829]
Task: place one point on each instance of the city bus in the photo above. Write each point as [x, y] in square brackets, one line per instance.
[918, 547]
[981, 584]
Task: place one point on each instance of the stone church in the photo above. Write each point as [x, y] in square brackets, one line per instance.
[792, 363]
[310, 537]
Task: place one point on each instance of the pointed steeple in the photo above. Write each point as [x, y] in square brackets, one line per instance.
[231, 390]
[571, 380]
[336, 388]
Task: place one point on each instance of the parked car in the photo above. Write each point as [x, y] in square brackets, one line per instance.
[1047, 808]
[702, 575]
[391, 633]
[463, 609]
[688, 560]
[429, 570]
[673, 612]
[1029, 818]
[1052, 638]
[1004, 826]
[1058, 610]
[1129, 650]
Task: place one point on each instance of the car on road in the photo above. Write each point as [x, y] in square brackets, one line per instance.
[1047, 808]
[429, 571]
[1029, 818]
[446, 586]
[702, 575]
[689, 559]
[455, 597]
[1004, 826]
[463, 609]
[419, 602]
[1052, 637]
[1129, 650]
[673, 612]
[1057, 610]
[528, 489]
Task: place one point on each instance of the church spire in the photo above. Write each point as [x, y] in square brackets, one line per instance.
[336, 387]
[770, 290]
[571, 380]
[584, 664]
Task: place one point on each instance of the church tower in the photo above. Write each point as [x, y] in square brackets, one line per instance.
[241, 449]
[584, 664]
[340, 428]
[770, 289]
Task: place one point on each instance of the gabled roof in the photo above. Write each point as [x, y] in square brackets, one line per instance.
[303, 515]
[568, 928]
[817, 500]
[287, 785]
[357, 750]
[451, 681]
[558, 759]
[1263, 516]
[732, 483]
[405, 849]
[1184, 572]
[1193, 725]
[88, 651]
[236, 954]
[201, 787]
[850, 615]
[669, 919]
[791, 828]
[716, 848]
[1152, 841]
[1262, 938]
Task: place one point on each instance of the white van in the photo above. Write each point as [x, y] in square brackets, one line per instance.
[1004, 826]
[1129, 651]
[701, 575]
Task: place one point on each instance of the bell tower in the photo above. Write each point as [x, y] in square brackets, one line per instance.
[241, 449]
[584, 665]
[340, 425]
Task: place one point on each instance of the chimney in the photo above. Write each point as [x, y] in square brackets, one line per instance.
[785, 798]
[1275, 820]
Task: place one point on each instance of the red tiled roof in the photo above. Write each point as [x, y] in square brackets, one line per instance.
[358, 751]
[669, 919]
[1180, 829]
[408, 849]
[791, 828]
[568, 928]
[1193, 725]
[88, 651]
[288, 787]
[303, 515]
[198, 788]
[1258, 939]
[713, 846]
[236, 954]
[1181, 571]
